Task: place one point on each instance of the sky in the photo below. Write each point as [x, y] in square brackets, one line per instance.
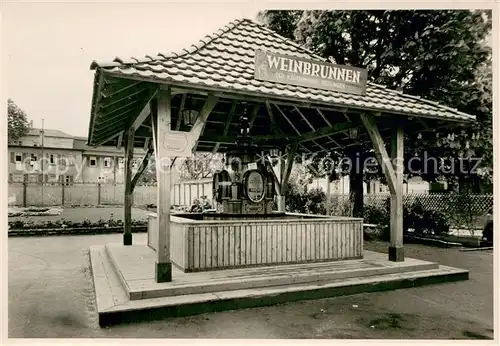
[48, 48]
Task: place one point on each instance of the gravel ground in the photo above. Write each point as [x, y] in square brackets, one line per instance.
[51, 295]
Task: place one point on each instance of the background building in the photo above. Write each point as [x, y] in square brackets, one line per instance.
[65, 159]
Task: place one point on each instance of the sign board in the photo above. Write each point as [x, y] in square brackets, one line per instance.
[255, 186]
[177, 143]
[287, 69]
[252, 165]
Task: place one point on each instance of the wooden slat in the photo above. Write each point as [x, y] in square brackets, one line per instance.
[191, 247]
[338, 240]
[214, 238]
[232, 245]
[196, 238]
[225, 240]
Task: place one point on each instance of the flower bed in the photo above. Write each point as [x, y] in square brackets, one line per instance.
[34, 211]
[66, 227]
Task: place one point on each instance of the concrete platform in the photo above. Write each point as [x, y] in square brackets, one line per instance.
[126, 290]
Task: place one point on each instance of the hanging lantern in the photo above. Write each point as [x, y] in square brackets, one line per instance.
[353, 133]
[189, 116]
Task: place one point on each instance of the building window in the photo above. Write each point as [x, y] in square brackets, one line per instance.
[93, 161]
[62, 160]
[107, 162]
[19, 157]
[120, 162]
[51, 159]
[134, 164]
[34, 157]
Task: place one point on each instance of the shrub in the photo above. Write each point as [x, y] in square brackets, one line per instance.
[416, 217]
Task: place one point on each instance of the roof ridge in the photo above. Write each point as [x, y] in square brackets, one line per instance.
[117, 61]
[287, 40]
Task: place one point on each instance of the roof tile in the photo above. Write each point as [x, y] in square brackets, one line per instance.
[225, 60]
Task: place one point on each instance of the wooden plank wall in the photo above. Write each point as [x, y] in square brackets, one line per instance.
[178, 233]
[226, 245]
[153, 232]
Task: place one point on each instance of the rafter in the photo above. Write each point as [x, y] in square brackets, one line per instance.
[110, 92]
[324, 132]
[201, 120]
[226, 126]
[179, 113]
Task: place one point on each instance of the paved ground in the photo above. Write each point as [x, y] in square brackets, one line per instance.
[50, 295]
[90, 213]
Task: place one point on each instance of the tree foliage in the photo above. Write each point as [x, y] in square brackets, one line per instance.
[440, 55]
[199, 166]
[17, 122]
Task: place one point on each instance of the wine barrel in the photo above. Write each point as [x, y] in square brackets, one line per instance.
[221, 185]
[254, 185]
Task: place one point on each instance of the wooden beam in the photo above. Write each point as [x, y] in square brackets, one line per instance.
[179, 114]
[287, 119]
[276, 179]
[305, 118]
[119, 141]
[396, 252]
[116, 100]
[106, 139]
[255, 112]
[226, 126]
[324, 132]
[147, 143]
[288, 167]
[274, 126]
[128, 202]
[142, 168]
[138, 118]
[201, 120]
[328, 123]
[380, 151]
[141, 117]
[117, 90]
[161, 121]
[115, 111]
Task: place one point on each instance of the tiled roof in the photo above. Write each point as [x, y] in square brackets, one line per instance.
[225, 61]
[80, 143]
[48, 133]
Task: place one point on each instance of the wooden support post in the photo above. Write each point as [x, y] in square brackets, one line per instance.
[394, 177]
[281, 195]
[396, 250]
[285, 173]
[161, 121]
[129, 155]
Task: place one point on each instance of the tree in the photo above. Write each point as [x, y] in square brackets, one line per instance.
[438, 55]
[17, 122]
[201, 165]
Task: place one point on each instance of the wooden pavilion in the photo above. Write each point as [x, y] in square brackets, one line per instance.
[173, 104]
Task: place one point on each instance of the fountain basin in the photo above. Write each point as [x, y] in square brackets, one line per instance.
[201, 242]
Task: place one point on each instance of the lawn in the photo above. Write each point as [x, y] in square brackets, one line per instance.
[83, 213]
